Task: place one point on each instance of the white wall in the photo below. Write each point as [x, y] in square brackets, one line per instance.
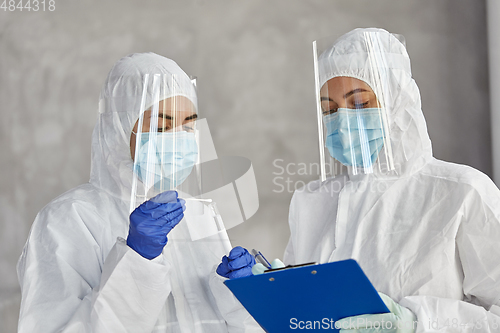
[253, 60]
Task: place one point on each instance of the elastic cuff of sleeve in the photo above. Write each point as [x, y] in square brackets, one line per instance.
[157, 260]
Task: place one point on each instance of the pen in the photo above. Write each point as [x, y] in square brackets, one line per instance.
[260, 258]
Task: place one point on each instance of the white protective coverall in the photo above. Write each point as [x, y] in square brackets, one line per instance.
[427, 235]
[76, 272]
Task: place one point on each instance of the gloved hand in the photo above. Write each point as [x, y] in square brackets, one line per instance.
[399, 320]
[238, 264]
[152, 221]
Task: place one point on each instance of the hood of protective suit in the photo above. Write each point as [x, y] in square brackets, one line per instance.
[390, 78]
[127, 92]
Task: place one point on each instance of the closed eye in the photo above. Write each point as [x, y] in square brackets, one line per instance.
[329, 112]
[361, 105]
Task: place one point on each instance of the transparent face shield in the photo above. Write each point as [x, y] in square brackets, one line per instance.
[169, 146]
[352, 97]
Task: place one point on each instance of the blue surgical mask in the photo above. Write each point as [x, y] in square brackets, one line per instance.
[166, 159]
[353, 134]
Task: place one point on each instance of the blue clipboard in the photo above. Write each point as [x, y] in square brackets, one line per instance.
[316, 296]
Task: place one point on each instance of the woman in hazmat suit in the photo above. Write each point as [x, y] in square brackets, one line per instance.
[424, 231]
[90, 265]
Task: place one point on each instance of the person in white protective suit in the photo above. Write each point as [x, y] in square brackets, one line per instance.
[90, 265]
[424, 231]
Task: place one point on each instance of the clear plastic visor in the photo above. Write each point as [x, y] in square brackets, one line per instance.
[169, 145]
[172, 149]
[353, 131]
[164, 145]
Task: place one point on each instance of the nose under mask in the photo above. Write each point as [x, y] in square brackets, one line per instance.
[354, 136]
[165, 160]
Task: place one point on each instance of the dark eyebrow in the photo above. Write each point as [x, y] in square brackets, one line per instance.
[355, 91]
[350, 93]
[194, 116]
[165, 116]
[169, 117]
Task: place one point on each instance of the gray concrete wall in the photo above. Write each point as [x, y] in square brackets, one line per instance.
[493, 18]
[253, 60]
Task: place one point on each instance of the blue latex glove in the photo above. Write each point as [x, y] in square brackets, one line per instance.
[399, 320]
[152, 221]
[238, 264]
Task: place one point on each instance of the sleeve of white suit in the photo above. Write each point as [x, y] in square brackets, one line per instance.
[289, 255]
[68, 287]
[479, 251]
[237, 318]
